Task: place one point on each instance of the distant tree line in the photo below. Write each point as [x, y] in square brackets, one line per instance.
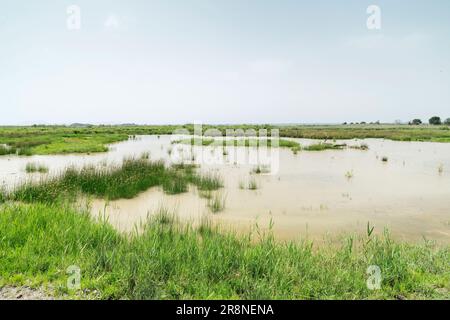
[435, 121]
[362, 122]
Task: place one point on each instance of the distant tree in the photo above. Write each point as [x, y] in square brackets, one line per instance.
[416, 122]
[447, 121]
[436, 121]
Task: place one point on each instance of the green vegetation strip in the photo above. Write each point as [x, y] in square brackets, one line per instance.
[85, 139]
[32, 167]
[248, 142]
[323, 146]
[283, 143]
[397, 133]
[125, 181]
[173, 261]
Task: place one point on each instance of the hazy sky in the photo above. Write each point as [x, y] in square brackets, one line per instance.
[223, 61]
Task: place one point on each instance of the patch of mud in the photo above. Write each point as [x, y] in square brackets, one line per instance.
[23, 293]
[27, 293]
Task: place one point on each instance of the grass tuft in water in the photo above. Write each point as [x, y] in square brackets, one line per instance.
[362, 146]
[252, 184]
[261, 169]
[163, 216]
[6, 150]
[145, 155]
[323, 146]
[349, 174]
[32, 167]
[217, 202]
[208, 182]
[25, 152]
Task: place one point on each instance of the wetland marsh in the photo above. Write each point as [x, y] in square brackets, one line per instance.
[295, 205]
[309, 194]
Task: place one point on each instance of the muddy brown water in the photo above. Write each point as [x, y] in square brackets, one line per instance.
[308, 195]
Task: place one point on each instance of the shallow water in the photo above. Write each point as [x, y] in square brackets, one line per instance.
[310, 194]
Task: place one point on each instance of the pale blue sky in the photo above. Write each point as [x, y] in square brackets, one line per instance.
[223, 61]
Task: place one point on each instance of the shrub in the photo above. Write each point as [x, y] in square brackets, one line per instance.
[436, 121]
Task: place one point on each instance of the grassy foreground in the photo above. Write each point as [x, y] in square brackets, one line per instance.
[173, 261]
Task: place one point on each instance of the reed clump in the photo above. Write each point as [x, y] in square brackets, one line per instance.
[216, 203]
[32, 167]
[7, 150]
[323, 146]
[112, 182]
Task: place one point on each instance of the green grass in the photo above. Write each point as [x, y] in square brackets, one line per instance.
[114, 182]
[261, 169]
[362, 146]
[349, 174]
[391, 132]
[195, 141]
[216, 202]
[58, 140]
[25, 152]
[252, 184]
[6, 150]
[169, 260]
[44, 140]
[32, 167]
[145, 155]
[208, 181]
[246, 142]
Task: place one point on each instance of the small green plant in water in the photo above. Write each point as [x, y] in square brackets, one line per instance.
[362, 146]
[164, 216]
[323, 146]
[349, 175]
[252, 184]
[217, 202]
[205, 194]
[261, 169]
[209, 181]
[6, 150]
[25, 152]
[35, 167]
[145, 155]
